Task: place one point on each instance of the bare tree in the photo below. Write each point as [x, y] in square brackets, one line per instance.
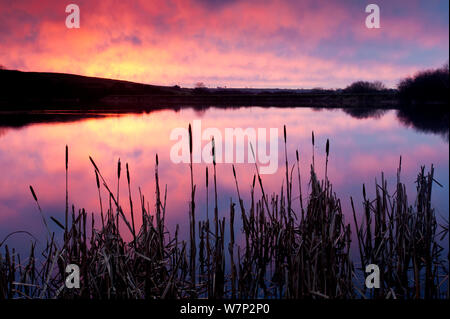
[365, 87]
[426, 86]
[200, 85]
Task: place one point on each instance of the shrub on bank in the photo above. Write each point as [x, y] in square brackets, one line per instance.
[425, 87]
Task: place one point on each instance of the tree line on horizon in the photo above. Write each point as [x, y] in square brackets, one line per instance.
[425, 87]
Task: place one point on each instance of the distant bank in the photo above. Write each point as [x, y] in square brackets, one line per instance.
[21, 91]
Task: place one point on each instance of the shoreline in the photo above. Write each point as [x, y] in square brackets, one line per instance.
[35, 90]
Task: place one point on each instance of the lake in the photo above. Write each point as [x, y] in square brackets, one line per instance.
[362, 145]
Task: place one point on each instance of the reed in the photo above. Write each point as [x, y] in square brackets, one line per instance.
[193, 247]
[280, 256]
[402, 240]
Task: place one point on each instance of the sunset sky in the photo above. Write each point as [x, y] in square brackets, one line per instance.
[233, 43]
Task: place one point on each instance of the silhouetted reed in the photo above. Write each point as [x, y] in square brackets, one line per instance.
[402, 240]
[283, 253]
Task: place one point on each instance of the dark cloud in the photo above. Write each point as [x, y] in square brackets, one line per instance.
[216, 4]
[133, 39]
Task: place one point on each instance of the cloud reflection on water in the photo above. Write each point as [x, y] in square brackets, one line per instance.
[361, 148]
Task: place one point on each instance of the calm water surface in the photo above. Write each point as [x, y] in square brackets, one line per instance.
[360, 149]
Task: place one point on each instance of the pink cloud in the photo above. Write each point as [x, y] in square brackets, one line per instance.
[239, 43]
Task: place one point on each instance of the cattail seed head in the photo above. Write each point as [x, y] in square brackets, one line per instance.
[128, 172]
[327, 148]
[33, 193]
[213, 149]
[190, 138]
[97, 180]
[67, 157]
[93, 163]
[118, 169]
